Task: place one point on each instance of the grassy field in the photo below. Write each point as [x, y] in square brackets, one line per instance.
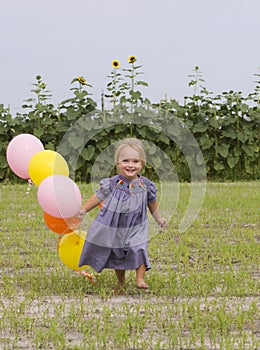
[204, 283]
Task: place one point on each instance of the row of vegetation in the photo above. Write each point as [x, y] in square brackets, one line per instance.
[223, 128]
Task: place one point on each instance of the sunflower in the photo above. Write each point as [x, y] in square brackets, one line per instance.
[82, 81]
[115, 64]
[131, 59]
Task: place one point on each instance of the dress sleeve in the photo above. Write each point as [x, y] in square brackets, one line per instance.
[104, 189]
[151, 192]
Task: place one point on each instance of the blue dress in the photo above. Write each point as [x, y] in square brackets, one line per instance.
[118, 236]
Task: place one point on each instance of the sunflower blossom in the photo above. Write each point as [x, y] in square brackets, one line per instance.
[82, 81]
[131, 59]
[115, 64]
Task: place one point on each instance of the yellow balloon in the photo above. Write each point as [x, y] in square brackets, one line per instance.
[46, 163]
[70, 247]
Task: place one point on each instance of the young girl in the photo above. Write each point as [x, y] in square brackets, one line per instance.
[117, 238]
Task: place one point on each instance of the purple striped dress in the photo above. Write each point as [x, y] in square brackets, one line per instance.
[118, 236]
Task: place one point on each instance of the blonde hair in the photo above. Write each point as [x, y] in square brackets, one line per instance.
[134, 143]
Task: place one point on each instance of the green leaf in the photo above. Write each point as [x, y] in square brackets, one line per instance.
[206, 142]
[218, 165]
[120, 128]
[157, 161]
[243, 136]
[248, 166]
[72, 114]
[123, 99]
[142, 131]
[237, 151]
[39, 132]
[200, 127]
[174, 131]
[135, 94]
[199, 159]
[86, 124]
[102, 144]
[152, 149]
[141, 83]
[75, 141]
[249, 150]
[162, 137]
[222, 149]
[232, 161]
[74, 80]
[230, 133]
[87, 153]
[192, 82]
[213, 122]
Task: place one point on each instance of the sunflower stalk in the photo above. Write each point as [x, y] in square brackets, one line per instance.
[196, 79]
[104, 118]
[113, 87]
[114, 91]
[132, 86]
[118, 89]
[132, 60]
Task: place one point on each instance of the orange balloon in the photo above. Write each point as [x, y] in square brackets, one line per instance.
[60, 225]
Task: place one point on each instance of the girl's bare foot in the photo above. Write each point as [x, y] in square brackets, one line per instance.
[140, 272]
[141, 284]
[119, 290]
[120, 274]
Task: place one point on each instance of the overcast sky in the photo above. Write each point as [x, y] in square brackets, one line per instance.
[62, 39]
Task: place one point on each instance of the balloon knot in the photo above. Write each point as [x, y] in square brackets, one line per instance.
[87, 275]
[30, 183]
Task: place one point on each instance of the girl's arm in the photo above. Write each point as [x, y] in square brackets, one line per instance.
[154, 210]
[91, 203]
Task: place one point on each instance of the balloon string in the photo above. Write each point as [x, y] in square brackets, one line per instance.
[30, 183]
[88, 276]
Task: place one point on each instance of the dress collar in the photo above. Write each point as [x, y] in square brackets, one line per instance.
[121, 177]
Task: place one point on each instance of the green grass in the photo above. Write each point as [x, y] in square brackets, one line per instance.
[204, 283]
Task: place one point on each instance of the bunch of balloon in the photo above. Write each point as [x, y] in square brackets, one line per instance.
[57, 194]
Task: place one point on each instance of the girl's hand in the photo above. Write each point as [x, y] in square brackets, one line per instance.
[162, 222]
[80, 214]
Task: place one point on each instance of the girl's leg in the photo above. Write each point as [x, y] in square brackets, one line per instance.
[120, 274]
[140, 272]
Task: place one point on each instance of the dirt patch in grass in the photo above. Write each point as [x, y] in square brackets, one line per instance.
[159, 317]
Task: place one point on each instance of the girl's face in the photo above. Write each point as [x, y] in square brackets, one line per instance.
[129, 163]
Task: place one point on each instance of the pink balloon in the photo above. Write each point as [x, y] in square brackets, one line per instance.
[20, 151]
[59, 196]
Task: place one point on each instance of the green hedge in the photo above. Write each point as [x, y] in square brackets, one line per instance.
[225, 128]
